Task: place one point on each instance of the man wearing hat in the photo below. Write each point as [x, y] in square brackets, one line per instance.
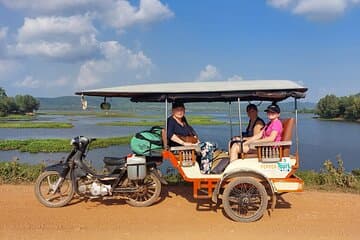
[270, 133]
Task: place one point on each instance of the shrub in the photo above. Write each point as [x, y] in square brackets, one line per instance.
[16, 172]
[336, 175]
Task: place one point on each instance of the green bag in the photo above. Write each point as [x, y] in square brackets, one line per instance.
[148, 142]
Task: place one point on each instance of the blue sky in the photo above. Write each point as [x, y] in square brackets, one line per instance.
[54, 48]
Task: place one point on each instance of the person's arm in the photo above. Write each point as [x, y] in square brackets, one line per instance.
[258, 126]
[255, 137]
[176, 139]
[270, 138]
[276, 128]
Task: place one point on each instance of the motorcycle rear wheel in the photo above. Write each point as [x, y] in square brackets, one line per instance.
[44, 190]
[148, 194]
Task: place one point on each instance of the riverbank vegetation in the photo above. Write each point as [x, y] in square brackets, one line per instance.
[18, 117]
[103, 114]
[20, 104]
[56, 145]
[332, 177]
[15, 172]
[339, 108]
[193, 120]
[31, 124]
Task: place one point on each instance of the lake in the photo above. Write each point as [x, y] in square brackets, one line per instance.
[319, 140]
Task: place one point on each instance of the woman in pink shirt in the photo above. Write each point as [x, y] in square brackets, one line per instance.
[270, 133]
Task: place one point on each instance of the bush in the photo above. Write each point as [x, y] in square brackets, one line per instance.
[337, 175]
[332, 177]
[15, 172]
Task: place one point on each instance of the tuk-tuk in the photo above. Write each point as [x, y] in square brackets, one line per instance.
[250, 183]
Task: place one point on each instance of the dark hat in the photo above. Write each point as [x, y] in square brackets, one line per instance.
[273, 108]
[178, 104]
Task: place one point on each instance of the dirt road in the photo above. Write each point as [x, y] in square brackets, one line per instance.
[308, 215]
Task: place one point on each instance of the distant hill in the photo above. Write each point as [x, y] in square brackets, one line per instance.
[73, 103]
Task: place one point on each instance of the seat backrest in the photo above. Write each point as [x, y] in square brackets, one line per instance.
[288, 126]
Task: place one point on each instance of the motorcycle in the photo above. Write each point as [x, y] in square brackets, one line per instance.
[134, 178]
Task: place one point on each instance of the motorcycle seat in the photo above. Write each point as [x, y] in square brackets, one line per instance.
[113, 161]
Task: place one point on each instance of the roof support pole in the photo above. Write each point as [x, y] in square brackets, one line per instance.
[166, 112]
[296, 128]
[240, 122]
[230, 120]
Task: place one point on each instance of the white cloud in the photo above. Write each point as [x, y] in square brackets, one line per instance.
[315, 9]
[117, 62]
[44, 27]
[56, 37]
[118, 14]
[28, 82]
[60, 82]
[123, 14]
[279, 3]
[235, 78]
[210, 73]
[46, 6]
[3, 32]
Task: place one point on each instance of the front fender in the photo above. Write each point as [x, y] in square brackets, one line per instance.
[61, 168]
[239, 173]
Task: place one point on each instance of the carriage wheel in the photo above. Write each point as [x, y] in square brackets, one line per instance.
[245, 199]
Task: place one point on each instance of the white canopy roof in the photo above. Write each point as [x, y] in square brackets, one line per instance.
[272, 90]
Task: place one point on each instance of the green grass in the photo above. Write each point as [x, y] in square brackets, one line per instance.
[193, 120]
[338, 119]
[17, 117]
[136, 123]
[332, 178]
[16, 173]
[35, 125]
[56, 145]
[109, 114]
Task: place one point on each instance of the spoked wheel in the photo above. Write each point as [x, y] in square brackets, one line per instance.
[149, 192]
[53, 191]
[245, 199]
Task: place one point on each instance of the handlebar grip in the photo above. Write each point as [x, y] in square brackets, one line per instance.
[92, 139]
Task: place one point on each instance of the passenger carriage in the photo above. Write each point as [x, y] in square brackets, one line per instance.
[250, 184]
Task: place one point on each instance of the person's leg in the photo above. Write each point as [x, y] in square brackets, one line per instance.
[236, 149]
[234, 152]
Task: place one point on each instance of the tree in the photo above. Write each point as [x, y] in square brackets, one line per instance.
[328, 107]
[352, 110]
[2, 93]
[26, 103]
[3, 108]
[11, 105]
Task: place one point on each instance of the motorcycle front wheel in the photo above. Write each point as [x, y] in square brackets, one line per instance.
[148, 193]
[53, 191]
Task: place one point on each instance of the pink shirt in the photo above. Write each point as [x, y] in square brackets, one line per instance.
[275, 125]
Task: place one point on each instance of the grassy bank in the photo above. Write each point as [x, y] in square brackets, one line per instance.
[90, 113]
[332, 178]
[56, 145]
[338, 119]
[193, 120]
[17, 117]
[35, 125]
[16, 173]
